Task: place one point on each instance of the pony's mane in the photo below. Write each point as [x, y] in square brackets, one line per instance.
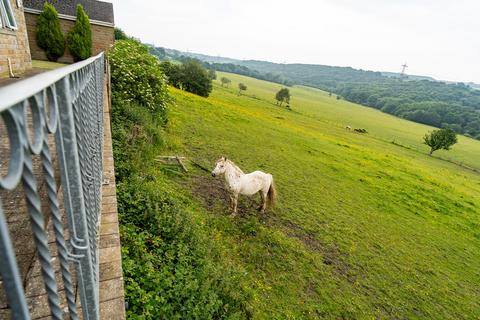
[235, 167]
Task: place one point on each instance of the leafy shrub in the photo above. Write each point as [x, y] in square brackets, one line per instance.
[173, 73]
[79, 39]
[138, 77]
[190, 76]
[166, 265]
[195, 78]
[212, 74]
[129, 137]
[48, 33]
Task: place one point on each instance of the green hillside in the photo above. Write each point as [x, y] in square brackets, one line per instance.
[333, 115]
[416, 98]
[367, 225]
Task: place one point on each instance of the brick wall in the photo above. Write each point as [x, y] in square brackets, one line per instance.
[102, 38]
[14, 45]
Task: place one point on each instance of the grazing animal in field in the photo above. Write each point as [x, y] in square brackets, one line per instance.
[360, 130]
[348, 128]
[248, 184]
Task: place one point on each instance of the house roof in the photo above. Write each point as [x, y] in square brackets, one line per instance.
[96, 10]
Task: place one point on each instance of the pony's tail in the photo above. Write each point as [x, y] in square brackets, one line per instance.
[272, 195]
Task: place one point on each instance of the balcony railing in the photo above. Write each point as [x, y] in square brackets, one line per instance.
[54, 121]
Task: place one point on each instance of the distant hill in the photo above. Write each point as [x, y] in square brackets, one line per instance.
[259, 65]
[417, 98]
[407, 76]
[474, 85]
[199, 56]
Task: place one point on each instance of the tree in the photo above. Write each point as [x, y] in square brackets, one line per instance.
[241, 87]
[80, 37]
[119, 34]
[48, 33]
[225, 81]
[440, 139]
[283, 95]
[173, 73]
[212, 74]
[195, 78]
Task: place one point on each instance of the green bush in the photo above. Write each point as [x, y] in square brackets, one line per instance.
[79, 39]
[138, 77]
[195, 78]
[173, 73]
[48, 33]
[190, 76]
[166, 260]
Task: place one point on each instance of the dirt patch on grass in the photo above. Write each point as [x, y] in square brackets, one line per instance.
[210, 190]
[332, 256]
[309, 239]
[214, 195]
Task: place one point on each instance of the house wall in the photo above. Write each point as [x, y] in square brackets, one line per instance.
[14, 45]
[102, 38]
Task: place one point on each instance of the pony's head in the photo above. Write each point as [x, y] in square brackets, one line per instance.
[220, 167]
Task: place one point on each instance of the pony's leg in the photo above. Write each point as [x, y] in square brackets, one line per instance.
[230, 204]
[235, 202]
[262, 200]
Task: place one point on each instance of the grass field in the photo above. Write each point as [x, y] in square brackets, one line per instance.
[364, 228]
[49, 65]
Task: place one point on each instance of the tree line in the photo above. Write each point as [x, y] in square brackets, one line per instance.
[245, 71]
[438, 104]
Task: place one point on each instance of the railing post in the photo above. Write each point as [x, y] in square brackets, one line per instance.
[68, 155]
[9, 271]
[73, 96]
[10, 275]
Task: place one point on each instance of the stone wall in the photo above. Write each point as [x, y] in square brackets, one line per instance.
[112, 294]
[102, 37]
[14, 45]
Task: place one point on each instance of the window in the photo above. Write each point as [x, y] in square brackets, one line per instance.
[7, 19]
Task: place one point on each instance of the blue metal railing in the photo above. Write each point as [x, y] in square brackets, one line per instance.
[66, 104]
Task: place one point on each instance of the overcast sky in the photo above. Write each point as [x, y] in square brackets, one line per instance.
[439, 38]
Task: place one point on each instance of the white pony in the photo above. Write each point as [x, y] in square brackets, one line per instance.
[248, 184]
